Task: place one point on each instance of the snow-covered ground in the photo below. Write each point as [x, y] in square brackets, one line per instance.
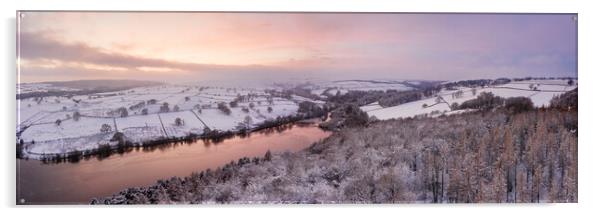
[547, 89]
[23, 88]
[344, 86]
[370, 107]
[197, 106]
[36, 118]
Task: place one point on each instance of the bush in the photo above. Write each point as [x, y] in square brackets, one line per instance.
[164, 107]
[179, 122]
[267, 156]
[104, 128]
[518, 104]
[355, 116]
[566, 101]
[123, 112]
[485, 101]
[74, 156]
[76, 116]
[308, 109]
[233, 104]
[454, 106]
[222, 106]
[118, 137]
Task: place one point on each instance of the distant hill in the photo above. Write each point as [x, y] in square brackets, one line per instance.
[77, 87]
[103, 84]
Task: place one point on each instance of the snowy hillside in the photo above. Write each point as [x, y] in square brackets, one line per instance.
[343, 86]
[62, 124]
[540, 92]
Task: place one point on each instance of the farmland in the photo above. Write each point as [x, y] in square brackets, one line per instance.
[63, 124]
[540, 92]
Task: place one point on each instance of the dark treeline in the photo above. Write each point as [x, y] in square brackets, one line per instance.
[384, 98]
[498, 81]
[52, 93]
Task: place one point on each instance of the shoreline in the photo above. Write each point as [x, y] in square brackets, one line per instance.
[123, 146]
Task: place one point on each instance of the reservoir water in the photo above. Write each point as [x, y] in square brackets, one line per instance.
[77, 183]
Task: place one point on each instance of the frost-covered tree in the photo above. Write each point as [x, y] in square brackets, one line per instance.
[454, 106]
[224, 108]
[164, 107]
[105, 128]
[123, 112]
[248, 121]
[76, 116]
[267, 156]
[178, 121]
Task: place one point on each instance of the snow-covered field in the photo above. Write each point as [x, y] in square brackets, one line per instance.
[344, 86]
[145, 121]
[547, 89]
[147, 118]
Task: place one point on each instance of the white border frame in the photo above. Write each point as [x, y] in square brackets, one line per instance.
[589, 78]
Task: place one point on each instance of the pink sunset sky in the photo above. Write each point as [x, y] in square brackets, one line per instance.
[176, 47]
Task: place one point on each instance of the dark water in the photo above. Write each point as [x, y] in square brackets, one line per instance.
[73, 183]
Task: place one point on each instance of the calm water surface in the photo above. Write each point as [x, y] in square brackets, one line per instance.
[72, 183]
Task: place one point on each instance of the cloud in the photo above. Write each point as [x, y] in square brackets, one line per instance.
[43, 56]
[199, 46]
[39, 46]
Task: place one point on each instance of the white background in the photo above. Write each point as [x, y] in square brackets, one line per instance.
[589, 82]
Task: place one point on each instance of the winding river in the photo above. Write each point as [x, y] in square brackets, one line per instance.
[77, 183]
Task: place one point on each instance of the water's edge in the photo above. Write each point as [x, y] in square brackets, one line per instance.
[77, 183]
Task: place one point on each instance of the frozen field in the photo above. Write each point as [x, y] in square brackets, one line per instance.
[542, 97]
[150, 114]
